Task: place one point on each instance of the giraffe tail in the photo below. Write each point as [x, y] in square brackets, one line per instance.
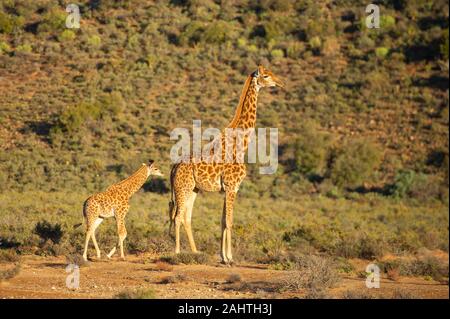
[84, 215]
[172, 203]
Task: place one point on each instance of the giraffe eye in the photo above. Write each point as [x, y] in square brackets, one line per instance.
[266, 76]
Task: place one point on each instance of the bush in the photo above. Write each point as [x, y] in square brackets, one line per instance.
[381, 52]
[10, 273]
[358, 294]
[74, 117]
[139, 294]
[315, 43]
[53, 21]
[217, 32]
[66, 36]
[312, 272]
[24, 48]
[187, 259]
[8, 256]
[387, 22]
[173, 279]
[94, 41]
[10, 23]
[355, 163]
[277, 53]
[233, 278]
[408, 183]
[47, 231]
[192, 33]
[423, 266]
[4, 47]
[444, 46]
[311, 149]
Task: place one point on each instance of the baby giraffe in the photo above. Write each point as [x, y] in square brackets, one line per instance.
[114, 203]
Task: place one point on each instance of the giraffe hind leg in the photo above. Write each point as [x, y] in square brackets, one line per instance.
[187, 220]
[97, 223]
[90, 216]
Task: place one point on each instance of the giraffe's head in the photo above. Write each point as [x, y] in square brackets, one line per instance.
[265, 78]
[152, 169]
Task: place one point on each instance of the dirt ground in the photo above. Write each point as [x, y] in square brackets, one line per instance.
[45, 277]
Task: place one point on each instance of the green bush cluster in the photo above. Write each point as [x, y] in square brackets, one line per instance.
[10, 23]
[354, 163]
[311, 149]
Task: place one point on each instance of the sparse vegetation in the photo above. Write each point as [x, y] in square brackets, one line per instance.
[313, 273]
[174, 279]
[138, 294]
[186, 258]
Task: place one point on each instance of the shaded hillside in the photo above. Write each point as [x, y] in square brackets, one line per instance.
[94, 100]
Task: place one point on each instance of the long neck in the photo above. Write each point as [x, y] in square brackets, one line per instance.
[132, 184]
[245, 116]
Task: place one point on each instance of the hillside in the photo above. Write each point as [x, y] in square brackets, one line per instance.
[363, 123]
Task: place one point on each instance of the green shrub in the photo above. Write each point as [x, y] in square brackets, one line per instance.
[387, 22]
[355, 163]
[277, 53]
[8, 256]
[10, 23]
[24, 48]
[186, 258]
[74, 117]
[444, 46]
[311, 149]
[47, 231]
[381, 52]
[315, 43]
[408, 183]
[94, 41]
[53, 21]
[4, 47]
[6, 23]
[66, 36]
[192, 33]
[217, 32]
[295, 49]
[277, 28]
[139, 294]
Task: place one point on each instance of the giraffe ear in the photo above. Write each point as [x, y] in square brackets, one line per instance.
[150, 162]
[260, 69]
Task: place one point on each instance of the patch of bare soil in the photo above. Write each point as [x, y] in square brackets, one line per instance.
[45, 277]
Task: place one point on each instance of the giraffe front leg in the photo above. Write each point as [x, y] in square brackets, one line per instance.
[121, 230]
[227, 224]
[177, 234]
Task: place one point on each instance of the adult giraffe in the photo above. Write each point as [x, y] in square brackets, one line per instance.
[213, 176]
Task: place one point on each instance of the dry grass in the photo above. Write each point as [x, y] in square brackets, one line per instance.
[174, 279]
[186, 258]
[312, 272]
[138, 294]
[358, 294]
[163, 266]
[234, 278]
[10, 273]
[9, 256]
